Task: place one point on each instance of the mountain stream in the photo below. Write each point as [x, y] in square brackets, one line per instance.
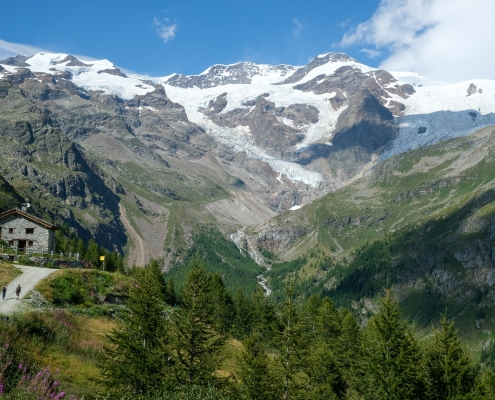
[237, 239]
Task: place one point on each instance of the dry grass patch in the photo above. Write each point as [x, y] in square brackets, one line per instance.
[7, 273]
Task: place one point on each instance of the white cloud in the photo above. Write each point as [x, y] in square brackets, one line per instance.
[371, 53]
[297, 27]
[449, 40]
[9, 49]
[165, 30]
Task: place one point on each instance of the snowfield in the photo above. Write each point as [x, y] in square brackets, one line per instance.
[436, 112]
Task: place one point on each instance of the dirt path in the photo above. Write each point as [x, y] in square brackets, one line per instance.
[28, 279]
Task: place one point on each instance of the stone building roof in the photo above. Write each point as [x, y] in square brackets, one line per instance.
[16, 211]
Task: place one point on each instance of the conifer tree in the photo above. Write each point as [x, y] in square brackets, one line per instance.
[324, 378]
[347, 344]
[450, 371]
[257, 380]
[312, 311]
[328, 321]
[291, 341]
[81, 249]
[223, 304]
[390, 362]
[138, 358]
[170, 295]
[243, 322]
[197, 342]
[263, 312]
[92, 254]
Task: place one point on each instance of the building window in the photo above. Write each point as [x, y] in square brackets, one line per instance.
[29, 230]
[11, 242]
[30, 243]
[11, 230]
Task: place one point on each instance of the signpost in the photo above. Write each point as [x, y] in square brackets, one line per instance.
[102, 258]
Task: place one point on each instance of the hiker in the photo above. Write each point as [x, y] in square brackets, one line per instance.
[17, 291]
[4, 291]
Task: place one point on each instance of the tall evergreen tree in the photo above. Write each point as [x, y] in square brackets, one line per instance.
[138, 358]
[257, 380]
[324, 378]
[263, 312]
[170, 294]
[243, 321]
[451, 373]
[92, 254]
[390, 362]
[312, 311]
[347, 344]
[197, 342]
[81, 249]
[291, 341]
[223, 304]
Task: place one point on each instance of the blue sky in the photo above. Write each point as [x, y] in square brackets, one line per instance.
[194, 34]
[448, 40]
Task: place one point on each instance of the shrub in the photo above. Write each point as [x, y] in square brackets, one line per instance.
[24, 260]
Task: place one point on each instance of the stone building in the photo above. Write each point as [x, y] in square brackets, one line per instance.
[24, 231]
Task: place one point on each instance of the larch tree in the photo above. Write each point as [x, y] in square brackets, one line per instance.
[198, 344]
[138, 359]
[451, 373]
[390, 360]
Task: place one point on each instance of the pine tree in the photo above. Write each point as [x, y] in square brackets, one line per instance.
[328, 321]
[263, 312]
[390, 362]
[223, 304]
[81, 249]
[197, 342]
[450, 371]
[312, 311]
[324, 378]
[347, 344]
[92, 254]
[138, 358]
[170, 295]
[291, 341]
[243, 320]
[72, 245]
[257, 380]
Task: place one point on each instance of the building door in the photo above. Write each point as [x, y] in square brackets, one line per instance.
[22, 244]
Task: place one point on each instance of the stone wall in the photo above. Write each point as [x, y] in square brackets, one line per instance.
[42, 239]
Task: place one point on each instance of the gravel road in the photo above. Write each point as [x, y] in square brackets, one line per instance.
[28, 279]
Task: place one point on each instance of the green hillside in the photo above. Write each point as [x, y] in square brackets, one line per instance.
[422, 222]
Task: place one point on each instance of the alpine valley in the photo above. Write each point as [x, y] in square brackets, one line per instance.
[341, 177]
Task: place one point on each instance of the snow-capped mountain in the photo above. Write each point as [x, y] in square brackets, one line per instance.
[313, 127]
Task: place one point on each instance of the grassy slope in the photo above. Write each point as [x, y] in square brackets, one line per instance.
[7, 273]
[409, 224]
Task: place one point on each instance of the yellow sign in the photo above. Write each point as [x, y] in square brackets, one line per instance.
[102, 258]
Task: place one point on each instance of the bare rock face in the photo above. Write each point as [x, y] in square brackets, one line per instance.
[365, 123]
[396, 108]
[363, 129]
[275, 128]
[113, 71]
[300, 73]
[17, 61]
[71, 62]
[55, 169]
[471, 89]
